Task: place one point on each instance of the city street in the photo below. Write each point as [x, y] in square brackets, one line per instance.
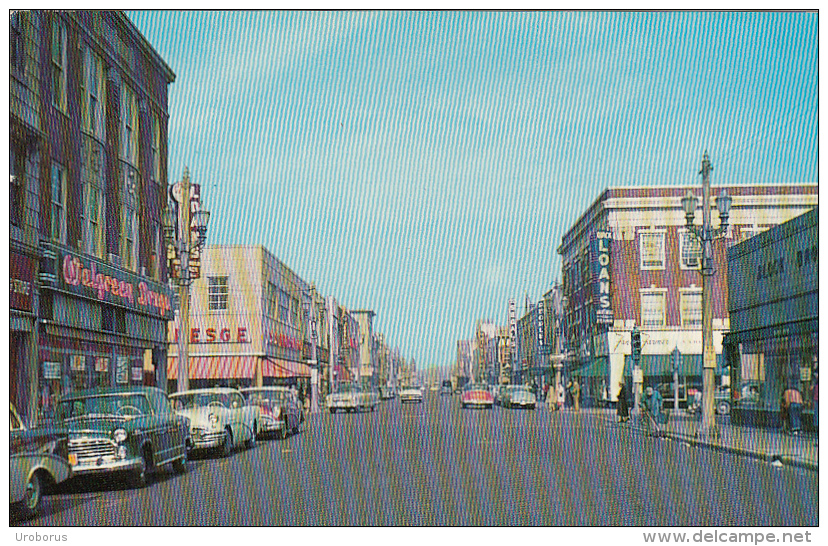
[436, 464]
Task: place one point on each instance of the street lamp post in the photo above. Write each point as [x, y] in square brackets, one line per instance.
[184, 233]
[310, 311]
[706, 235]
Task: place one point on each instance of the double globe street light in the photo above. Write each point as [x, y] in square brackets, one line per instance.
[706, 235]
[185, 233]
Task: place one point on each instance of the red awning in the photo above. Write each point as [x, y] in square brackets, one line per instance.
[215, 367]
[273, 367]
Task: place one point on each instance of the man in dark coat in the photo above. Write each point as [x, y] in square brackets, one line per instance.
[621, 407]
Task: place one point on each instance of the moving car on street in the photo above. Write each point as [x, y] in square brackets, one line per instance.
[387, 393]
[351, 397]
[128, 429]
[38, 460]
[477, 395]
[446, 387]
[279, 410]
[518, 396]
[411, 393]
[219, 418]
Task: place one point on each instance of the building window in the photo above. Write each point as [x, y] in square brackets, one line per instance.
[690, 250]
[17, 182]
[129, 220]
[217, 293]
[93, 219]
[155, 255]
[690, 306]
[92, 94]
[653, 308]
[129, 125]
[16, 41]
[58, 203]
[59, 65]
[284, 306]
[272, 301]
[155, 149]
[651, 249]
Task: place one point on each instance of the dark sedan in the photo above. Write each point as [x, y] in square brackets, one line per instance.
[132, 430]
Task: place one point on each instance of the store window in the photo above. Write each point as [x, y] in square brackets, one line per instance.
[653, 308]
[129, 219]
[690, 307]
[690, 250]
[651, 249]
[217, 293]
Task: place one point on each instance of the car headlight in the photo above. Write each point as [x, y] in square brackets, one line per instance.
[277, 411]
[122, 452]
[120, 435]
[213, 418]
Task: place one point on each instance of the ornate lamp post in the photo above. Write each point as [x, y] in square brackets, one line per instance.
[185, 232]
[311, 314]
[705, 235]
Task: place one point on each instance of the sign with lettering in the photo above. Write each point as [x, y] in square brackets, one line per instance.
[77, 363]
[51, 370]
[512, 326]
[217, 335]
[21, 277]
[91, 278]
[102, 364]
[122, 370]
[602, 277]
[137, 374]
[541, 317]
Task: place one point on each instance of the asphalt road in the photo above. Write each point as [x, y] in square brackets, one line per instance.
[436, 464]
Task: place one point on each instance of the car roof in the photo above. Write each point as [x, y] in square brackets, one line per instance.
[271, 389]
[103, 391]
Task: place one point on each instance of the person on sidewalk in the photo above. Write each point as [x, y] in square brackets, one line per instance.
[561, 396]
[575, 392]
[621, 407]
[792, 404]
[653, 406]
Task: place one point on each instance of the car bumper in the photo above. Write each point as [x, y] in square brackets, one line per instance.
[478, 404]
[208, 440]
[106, 464]
[411, 398]
[268, 424]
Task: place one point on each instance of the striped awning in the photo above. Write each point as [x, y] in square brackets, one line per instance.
[274, 367]
[215, 367]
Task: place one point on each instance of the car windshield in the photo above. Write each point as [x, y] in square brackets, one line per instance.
[113, 405]
[267, 397]
[345, 389]
[514, 389]
[205, 399]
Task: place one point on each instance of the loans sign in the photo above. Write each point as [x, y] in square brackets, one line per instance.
[603, 297]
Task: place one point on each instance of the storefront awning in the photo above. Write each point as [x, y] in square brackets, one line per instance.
[274, 367]
[596, 368]
[215, 367]
[663, 365]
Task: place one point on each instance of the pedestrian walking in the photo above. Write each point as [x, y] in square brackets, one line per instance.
[653, 405]
[575, 392]
[561, 396]
[792, 404]
[621, 407]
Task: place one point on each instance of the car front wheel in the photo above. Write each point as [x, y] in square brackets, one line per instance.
[34, 495]
[251, 442]
[227, 446]
[723, 407]
[138, 479]
[180, 465]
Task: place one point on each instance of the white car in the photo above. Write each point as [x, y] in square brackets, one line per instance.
[219, 418]
[411, 394]
[518, 396]
[350, 397]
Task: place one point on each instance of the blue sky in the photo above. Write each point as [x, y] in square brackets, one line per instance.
[426, 165]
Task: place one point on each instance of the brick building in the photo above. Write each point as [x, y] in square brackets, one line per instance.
[88, 162]
[629, 260]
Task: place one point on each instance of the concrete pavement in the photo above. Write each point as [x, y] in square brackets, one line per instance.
[768, 444]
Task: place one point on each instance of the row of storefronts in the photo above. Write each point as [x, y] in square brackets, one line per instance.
[630, 261]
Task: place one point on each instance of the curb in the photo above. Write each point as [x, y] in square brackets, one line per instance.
[785, 459]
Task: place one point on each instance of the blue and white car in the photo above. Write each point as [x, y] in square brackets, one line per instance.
[219, 417]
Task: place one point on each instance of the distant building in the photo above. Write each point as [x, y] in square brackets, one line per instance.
[367, 353]
[629, 260]
[88, 163]
[773, 344]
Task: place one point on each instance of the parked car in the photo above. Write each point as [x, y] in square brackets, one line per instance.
[387, 393]
[518, 396]
[477, 395]
[351, 397]
[445, 388]
[219, 418]
[411, 393]
[279, 409]
[38, 460]
[127, 429]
